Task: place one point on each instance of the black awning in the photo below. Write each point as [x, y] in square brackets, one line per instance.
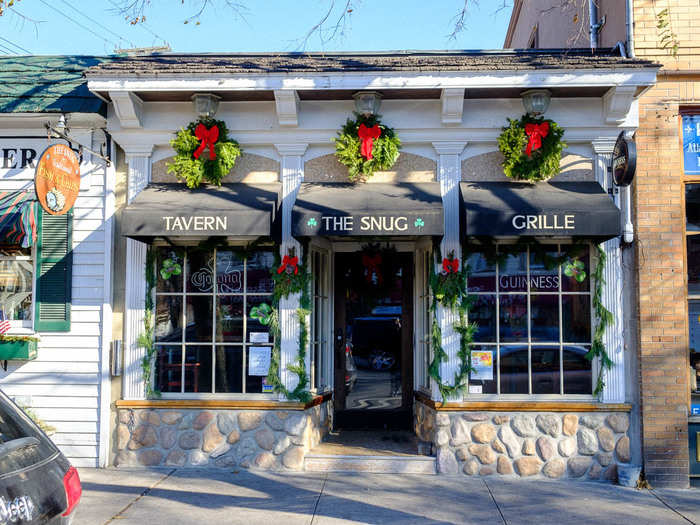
[173, 210]
[368, 209]
[578, 209]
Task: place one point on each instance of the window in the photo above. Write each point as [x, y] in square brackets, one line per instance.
[320, 321]
[423, 318]
[211, 335]
[691, 172]
[16, 282]
[534, 321]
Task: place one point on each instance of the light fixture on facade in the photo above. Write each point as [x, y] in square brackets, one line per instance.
[536, 101]
[367, 102]
[205, 104]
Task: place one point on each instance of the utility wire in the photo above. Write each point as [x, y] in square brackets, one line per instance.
[15, 45]
[79, 24]
[97, 23]
[4, 52]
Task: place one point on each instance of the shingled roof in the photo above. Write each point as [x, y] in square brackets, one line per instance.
[262, 63]
[47, 84]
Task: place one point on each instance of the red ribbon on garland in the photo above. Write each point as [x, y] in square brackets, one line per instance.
[450, 265]
[371, 265]
[208, 138]
[535, 134]
[367, 136]
[289, 262]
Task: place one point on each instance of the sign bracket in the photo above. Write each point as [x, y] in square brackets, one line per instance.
[60, 134]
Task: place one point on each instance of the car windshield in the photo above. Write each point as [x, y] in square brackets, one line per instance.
[22, 444]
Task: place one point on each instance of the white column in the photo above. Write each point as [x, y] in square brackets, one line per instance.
[139, 173]
[449, 175]
[292, 173]
[614, 391]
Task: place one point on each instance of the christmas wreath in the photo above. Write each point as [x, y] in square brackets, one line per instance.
[203, 151]
[365, 145]
[531, 148]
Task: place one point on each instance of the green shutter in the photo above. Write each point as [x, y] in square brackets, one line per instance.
[54, 267]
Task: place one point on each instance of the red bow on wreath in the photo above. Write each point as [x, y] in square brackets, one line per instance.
[450, 265]
[371, 265]
[289, 262]
[208, 138]
[367, 136]
[535, 134]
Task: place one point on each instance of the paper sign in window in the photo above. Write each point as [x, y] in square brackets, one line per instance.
[482, 365]
[259, 360]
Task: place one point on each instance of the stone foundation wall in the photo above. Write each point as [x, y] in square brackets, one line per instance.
[526, 444]
[262, 439]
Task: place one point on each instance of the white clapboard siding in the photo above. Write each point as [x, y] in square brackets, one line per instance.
[66, 438]
[60, 367]
[63, 402]
[24, 390]
[20, 378]
[83, 462]
[55, 341]
[77, 451]
[67, 414]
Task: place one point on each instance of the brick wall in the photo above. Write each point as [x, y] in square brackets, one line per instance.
[658, 191]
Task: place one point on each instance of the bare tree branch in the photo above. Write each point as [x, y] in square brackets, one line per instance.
[336, 30]
[134, 11]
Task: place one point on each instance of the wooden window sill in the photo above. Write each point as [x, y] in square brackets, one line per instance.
[222, 404]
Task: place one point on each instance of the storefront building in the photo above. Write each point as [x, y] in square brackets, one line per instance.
[55, 270]
[240, 373]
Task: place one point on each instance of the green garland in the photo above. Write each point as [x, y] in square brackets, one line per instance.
[146, 339]
[543, 163]
[286, 284]
[449, 289]
[604, 317]
[385, 150]
[193, 171]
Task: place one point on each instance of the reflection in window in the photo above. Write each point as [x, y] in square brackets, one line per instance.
[533, 311]
[16, 280]
[211, 325]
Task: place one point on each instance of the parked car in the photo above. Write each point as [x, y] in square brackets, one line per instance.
[37, 482]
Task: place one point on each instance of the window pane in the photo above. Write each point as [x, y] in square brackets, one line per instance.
[168, 321]
[229, 272]
[16, 277]
[229, 368]
[229, 318]
[169, 266]
[259, 278]
[692, 207]
[484, 363]
[513, 318]
[694, 325]
[513, 273]
[544, 311]
[254, 383]
[483, 313]
[575, 271]
[199, 318]
[482, 275]
[544, 271]
[545, 369]
[576, 318]
[168, 372]
[257, 323]
[577, 371]
[514, 369]
[198, 368]
[693, 242]
[200, 271]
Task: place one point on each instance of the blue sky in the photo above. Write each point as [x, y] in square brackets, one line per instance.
[269, 25]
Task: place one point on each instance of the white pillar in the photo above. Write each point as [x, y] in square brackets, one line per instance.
[449, 175]
[139, 174]
[292, 174]
[614, 391]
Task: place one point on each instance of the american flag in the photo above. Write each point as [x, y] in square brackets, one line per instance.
[4, 323]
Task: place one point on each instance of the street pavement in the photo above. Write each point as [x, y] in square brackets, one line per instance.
[187, 496]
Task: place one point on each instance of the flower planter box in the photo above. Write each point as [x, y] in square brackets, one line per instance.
[17, 350]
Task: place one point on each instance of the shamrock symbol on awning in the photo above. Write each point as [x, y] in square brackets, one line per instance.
[419, 223]
[311, 222]
[575, 268]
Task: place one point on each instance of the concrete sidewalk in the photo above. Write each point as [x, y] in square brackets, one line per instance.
[186, 496]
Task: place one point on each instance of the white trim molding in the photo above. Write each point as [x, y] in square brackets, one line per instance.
[287, 106]
[617, 103]
[452, 100]
[128, 108]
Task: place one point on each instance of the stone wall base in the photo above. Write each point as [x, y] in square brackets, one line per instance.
[260, 439]
[526, 444]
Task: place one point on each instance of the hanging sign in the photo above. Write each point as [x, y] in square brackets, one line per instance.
[624, 160]
[57, 179]
[691, 144]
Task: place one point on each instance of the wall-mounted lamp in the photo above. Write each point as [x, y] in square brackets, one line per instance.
[205, 104]
[536, 101]
[367, 102]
